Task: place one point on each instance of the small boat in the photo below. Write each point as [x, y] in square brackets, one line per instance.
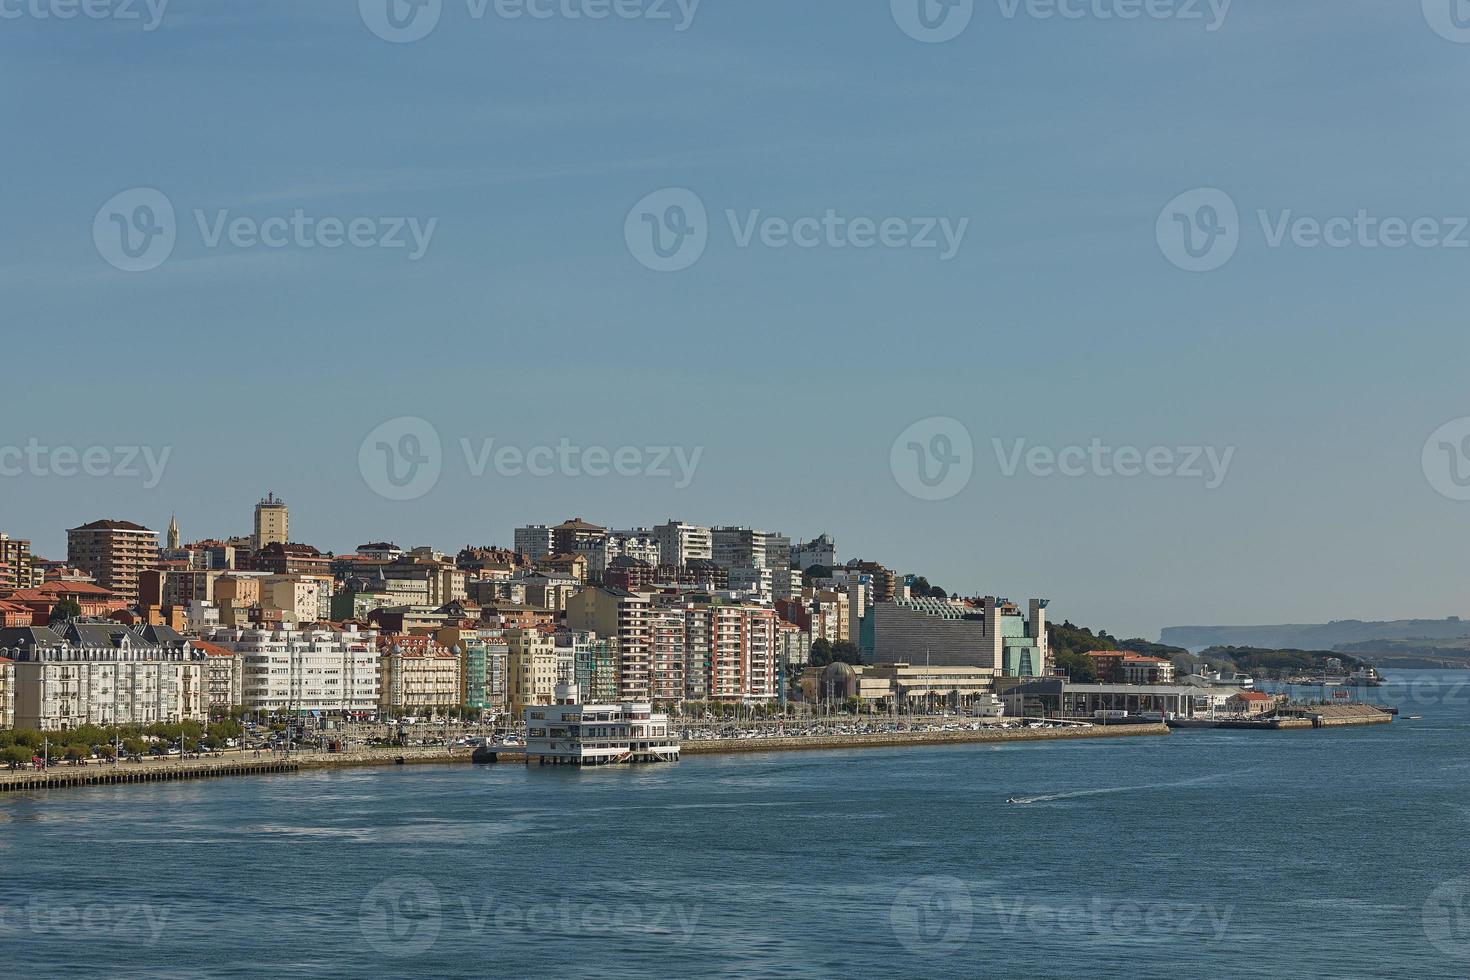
[1015, 800]
[1416, 718]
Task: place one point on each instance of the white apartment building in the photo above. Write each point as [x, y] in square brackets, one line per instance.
[681, 543]
[103, 674]
[330, 671]
[639, 544]
[821, 550]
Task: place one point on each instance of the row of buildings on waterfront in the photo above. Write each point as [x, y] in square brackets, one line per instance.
[127, 629]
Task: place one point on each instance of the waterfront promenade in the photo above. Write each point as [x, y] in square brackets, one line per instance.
[246, 764]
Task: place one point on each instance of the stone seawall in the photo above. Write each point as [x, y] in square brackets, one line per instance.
[60, 777]
[894, 740]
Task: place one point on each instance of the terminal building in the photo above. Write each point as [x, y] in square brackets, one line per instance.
[988, 632]
[1054, 697]
[567, 733]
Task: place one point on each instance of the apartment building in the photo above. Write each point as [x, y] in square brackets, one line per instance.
[681, 543]
[821, 550]
[704, 648]
[535, 541]
[101, 673]
[420, 683]
[326, 670]
[308, 598]
[594, 664]
[272, 523]
[224, 677]
[17, 564]
[115, 553]
[7, 693]
[621, 615]
[533, 668]
[484, 665]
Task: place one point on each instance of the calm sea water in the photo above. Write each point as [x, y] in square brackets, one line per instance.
[1341, 854]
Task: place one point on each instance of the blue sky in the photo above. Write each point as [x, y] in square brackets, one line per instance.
[529, 321]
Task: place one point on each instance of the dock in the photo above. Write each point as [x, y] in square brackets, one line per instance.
[67, 777]
[1297, 717]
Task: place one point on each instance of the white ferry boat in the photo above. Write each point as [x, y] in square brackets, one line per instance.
[571, 734]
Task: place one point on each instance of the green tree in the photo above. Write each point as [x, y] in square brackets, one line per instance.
[18, 754]
[67, 608]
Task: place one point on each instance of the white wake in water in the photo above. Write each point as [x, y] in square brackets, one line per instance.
[1119, 789]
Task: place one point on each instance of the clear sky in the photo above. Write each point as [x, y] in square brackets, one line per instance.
[532, 315]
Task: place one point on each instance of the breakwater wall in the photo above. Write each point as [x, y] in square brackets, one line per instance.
[67, 777]
[890, 740]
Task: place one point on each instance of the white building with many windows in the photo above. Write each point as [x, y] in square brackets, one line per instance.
[573, 734]
[322, 670]
[103, 674]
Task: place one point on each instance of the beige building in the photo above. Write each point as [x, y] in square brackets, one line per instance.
[532, 668]
[114, 553]
[624, 616]
[235, 594]
[224, 676]
[306, 597]
[422, 684]
[17, 564]
[272, 523]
